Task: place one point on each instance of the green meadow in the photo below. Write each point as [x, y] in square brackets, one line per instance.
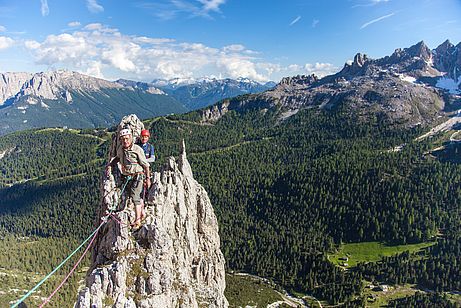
[354, 253]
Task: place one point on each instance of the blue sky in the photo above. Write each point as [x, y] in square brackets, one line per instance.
[262, 40]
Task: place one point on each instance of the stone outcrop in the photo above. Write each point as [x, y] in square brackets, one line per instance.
[54, 84]
[408, 88]
[214, 113]
[10, 84]
[173, 260]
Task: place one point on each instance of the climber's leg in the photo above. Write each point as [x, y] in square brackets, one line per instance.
[136, 191]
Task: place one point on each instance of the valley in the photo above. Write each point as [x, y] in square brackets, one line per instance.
[303, 178]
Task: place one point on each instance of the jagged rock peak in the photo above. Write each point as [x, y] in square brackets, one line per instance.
[444, 48]
[420, 50]
[174, 260]
[183, 163]
[302, 80]
[360, 59]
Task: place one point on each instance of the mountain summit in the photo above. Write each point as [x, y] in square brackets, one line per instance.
[174, 260]
[411, 87]
[65, 98]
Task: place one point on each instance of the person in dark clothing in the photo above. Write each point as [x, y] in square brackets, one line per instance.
[148, 148]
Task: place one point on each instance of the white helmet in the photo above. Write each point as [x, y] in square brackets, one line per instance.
[124, 132]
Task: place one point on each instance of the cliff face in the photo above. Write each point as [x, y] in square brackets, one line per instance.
[174, 260]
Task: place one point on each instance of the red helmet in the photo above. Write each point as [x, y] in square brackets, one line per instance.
[145, 132]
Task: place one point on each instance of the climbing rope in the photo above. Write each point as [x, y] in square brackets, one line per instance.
[73, 268]
[114, 206]
[92, 236]
[58, 267]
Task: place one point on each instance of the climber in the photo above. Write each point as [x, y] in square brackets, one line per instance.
[133, 164]
[148, 148]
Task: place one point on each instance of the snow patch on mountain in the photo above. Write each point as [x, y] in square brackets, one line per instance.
[449, 84]
[31, 101]
[407, 78]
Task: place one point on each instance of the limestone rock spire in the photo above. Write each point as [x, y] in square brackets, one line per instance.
[173, 260]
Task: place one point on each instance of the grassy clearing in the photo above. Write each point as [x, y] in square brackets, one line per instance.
[242, 291]
[381, 299]
[454, 298]
[351, 254]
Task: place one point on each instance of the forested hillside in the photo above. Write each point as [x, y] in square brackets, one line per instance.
[49, 190]
[87, 109]
[286, 193]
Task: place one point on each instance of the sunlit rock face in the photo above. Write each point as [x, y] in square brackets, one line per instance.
[173, 260]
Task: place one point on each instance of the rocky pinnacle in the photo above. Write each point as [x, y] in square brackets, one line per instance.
[174, 260]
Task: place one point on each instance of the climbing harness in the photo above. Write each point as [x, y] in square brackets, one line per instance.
[113, 207]
[92, 236]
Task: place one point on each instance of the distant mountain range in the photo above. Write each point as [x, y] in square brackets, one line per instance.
[63, 98]
[202, 92]
[411, 87]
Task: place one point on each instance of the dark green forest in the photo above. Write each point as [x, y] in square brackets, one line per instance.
[286, 193]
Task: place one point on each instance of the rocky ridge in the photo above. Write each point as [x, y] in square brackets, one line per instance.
[57, 84]
[65, 98]
[411, 87]
[174, 260]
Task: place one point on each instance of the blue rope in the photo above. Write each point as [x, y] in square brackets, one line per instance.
[58, 267]
[104, 220]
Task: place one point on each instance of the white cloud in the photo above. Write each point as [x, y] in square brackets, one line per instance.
[236, 67]
[93, 6]
[99, 50]
[234, 48]
[171, 69]
[94, 26]
[211, 5]
[45, 10]
[169, 9]
[94, 69]
[376, 20]
[320, 69]
[295, 21]
[121, 56]
[6, 42]
[269, 68]
[32, 44]
[74, 24]
[154, 41]
[315, 22]
[59, 48]
[2, 28]
[293, 68]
